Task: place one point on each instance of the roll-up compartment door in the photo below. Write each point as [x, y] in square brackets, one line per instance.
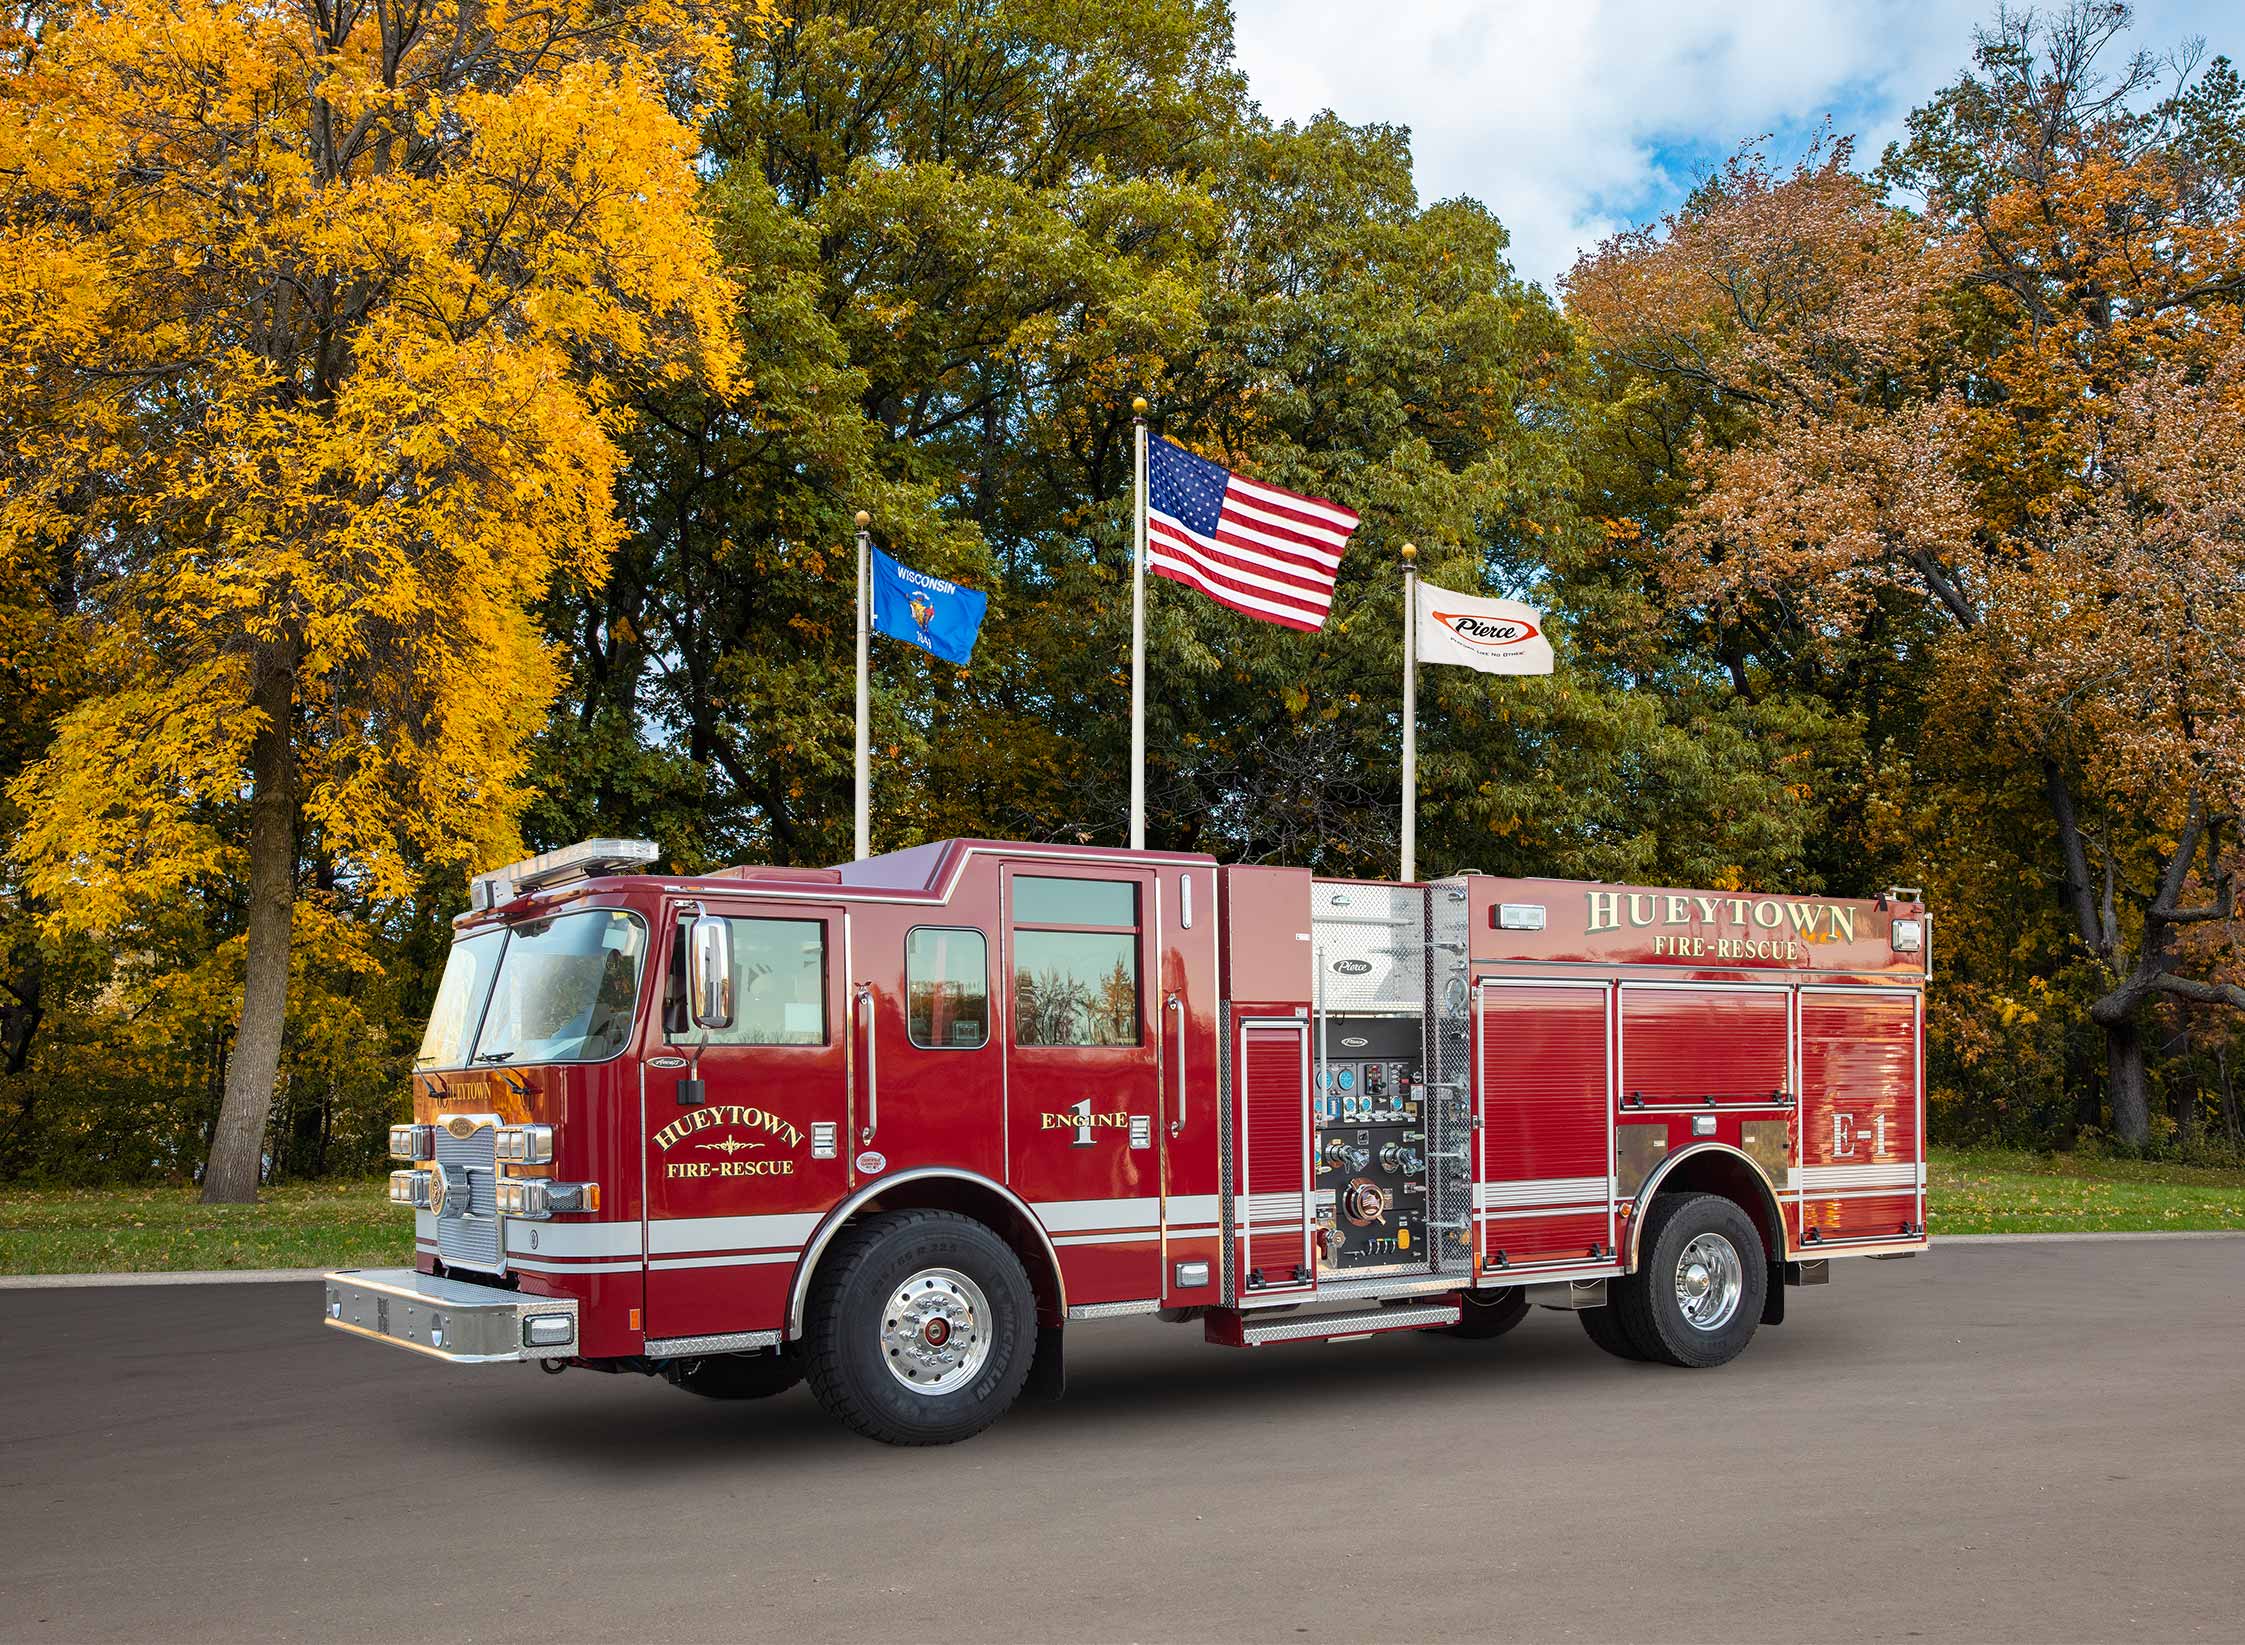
[1271, 1203]
[1544, 1188]
[1703, 1047]
[1862, 1148]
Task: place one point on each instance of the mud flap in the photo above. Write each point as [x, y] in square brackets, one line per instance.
[1048, 1372]
[1773, 1299]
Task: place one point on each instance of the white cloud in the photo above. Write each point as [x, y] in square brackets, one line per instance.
[1569, 118]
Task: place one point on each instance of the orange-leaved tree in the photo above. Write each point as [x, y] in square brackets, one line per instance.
[2017, 412]
[320, 320]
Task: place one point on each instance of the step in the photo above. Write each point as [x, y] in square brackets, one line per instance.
[1234, 1330]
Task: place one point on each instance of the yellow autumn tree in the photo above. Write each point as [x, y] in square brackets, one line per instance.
[317, 325]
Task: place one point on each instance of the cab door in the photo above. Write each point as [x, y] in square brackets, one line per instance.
[1082, 1089]
[746, 1126]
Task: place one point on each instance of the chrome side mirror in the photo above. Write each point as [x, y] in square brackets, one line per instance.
[709, 971]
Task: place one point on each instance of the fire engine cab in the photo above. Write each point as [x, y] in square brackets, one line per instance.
[893, 1127]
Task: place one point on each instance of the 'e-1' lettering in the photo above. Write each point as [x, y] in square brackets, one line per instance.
[1845, 1131]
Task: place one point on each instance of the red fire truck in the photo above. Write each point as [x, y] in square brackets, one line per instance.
[894, 1126]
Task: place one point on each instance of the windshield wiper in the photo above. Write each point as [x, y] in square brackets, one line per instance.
[493, 1056]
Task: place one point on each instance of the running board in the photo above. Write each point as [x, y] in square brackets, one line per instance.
[1229, 1329]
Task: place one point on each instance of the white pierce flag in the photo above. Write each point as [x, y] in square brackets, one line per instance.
[1495, 636]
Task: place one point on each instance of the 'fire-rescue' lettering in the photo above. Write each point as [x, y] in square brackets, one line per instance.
[730, 1168]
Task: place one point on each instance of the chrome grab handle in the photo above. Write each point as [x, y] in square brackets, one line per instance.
[1177, 1125]
[872, 1081]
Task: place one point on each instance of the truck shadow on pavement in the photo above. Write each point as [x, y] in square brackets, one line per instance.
[1121, 1390]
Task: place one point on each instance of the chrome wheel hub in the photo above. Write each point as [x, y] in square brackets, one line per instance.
[935, 1334]
[1710, 1279]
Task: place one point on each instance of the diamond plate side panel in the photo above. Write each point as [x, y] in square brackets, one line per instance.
[1114, 1310]
[1371, 943]
[1324, 1326]
[732, 1342]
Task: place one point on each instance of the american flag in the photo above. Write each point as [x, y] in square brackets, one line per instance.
[1270, 553]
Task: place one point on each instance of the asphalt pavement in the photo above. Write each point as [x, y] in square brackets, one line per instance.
[2020, 1442]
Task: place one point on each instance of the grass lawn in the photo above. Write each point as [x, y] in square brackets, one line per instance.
[1991, 1191]
[351, 1224]
[130, 1230]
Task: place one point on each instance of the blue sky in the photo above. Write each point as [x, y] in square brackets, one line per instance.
[1572, 118]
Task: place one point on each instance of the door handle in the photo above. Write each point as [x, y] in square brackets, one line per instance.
[1177, 1125]
[872, 1078]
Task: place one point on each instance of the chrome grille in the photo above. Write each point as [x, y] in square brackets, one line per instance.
[477, 1239]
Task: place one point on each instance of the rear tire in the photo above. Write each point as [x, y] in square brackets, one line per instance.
[736, 1376]
[1605, 1327]
[1697, 1295]
[1486, 1314]
[922, 1328]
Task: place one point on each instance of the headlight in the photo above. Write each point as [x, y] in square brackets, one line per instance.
[525, 1144]
[548, 1331]
[413, 1142]
[410, 1188]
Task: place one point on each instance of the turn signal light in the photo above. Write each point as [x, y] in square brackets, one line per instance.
[534, 1199]
[410, 1188]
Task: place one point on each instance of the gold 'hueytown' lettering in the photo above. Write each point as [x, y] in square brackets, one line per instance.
[1810, 922]
[727, 1114]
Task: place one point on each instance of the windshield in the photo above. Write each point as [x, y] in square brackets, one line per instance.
[559, 990]
[460, 997]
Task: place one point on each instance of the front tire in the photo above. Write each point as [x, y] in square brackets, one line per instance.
[1698, 1295]
[1486, 1314]
[922, 1328]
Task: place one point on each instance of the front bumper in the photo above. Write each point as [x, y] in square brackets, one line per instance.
[449, 1318]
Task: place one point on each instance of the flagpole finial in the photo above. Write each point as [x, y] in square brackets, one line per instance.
[863, 519]
[1409, 553]
[1138, 406]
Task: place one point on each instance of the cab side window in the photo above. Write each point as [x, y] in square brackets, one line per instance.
[947, 988]
[779, 970]
[1075, 962]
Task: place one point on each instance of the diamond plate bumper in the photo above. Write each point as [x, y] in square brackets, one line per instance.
[448, 1318]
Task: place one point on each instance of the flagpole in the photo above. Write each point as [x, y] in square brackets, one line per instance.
[864, 629]
[1138, 634]
[1410, 713]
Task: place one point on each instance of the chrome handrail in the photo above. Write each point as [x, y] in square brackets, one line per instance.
[872, 1077]
[1177, 1125]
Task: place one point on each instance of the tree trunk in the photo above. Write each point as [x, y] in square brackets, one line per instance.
[2229, 1097]
[22, 1012]
[2124, 1082]
[238, 1142]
